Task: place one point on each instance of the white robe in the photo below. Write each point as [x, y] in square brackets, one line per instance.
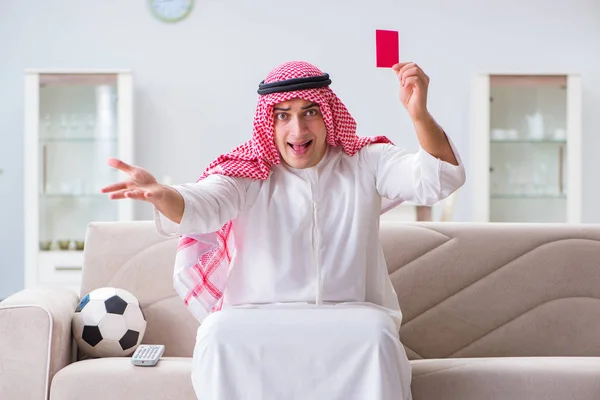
[308, 238]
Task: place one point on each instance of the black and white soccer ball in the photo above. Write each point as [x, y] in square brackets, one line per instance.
[108, 322]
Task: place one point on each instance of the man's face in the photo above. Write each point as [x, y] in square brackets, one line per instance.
[300, 133]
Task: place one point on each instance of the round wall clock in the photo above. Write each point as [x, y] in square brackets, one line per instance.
[170, 10]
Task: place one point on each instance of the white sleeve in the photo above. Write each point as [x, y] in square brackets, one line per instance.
[208, 205]
[418, 177]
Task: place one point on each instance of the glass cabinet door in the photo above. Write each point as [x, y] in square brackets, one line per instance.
[78, 131]
[528, 149]
[74, 121]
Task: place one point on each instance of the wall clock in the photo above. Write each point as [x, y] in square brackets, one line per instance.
[170, 10]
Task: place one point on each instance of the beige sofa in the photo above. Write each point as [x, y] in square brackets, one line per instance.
[491, 312]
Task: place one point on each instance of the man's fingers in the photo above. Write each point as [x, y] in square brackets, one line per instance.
[411, 69]
[406, 66]
[114, 187]
[414, 71]
[134, 194]
[423, 76]
[405, 71]
[410, 72]
[118, 194]
[412, 80]
[399, 66]
[403, 68]
[120, 165]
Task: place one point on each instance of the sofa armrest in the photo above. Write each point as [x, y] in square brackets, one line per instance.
[35, 340]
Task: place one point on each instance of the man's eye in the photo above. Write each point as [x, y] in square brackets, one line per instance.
[281, 117]
[311, 113]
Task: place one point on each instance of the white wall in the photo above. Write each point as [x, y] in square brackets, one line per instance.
[196, 81]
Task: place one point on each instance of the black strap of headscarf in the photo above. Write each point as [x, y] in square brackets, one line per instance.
[290, 85]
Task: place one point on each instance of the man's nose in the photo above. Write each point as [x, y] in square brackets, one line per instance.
[298, 126]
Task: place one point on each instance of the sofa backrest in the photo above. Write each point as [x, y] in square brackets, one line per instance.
[465, 289]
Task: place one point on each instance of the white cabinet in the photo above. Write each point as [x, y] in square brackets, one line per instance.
[526, 148]
[74, 121]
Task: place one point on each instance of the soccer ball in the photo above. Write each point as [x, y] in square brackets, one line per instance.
[108, 322]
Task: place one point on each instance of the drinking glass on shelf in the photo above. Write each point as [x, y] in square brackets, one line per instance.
[48, 125]
[535, 124]
[90, 125]
[519, 178]
[540, 178]
[76, 123]
[560, 134]
[498, 134]
[510, 178]
[512, 134]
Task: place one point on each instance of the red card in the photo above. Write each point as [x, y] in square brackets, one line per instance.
[388, 49]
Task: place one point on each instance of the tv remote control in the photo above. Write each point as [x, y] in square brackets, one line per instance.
[147, 355]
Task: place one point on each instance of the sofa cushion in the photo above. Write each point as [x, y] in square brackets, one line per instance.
[116, 378]
[531, 378]
[547, 378]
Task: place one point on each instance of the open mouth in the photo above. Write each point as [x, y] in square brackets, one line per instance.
[300, 148]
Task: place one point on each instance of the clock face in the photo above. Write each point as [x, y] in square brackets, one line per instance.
[171, 10]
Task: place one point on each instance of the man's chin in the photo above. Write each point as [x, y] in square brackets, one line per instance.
[296, 161]
[299, 163]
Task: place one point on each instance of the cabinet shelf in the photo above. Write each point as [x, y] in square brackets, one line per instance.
[61, 253]
[528, 197]
[78, 140]
[72, 195]
[528, 141]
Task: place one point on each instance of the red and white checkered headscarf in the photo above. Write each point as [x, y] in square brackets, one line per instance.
[202, 261]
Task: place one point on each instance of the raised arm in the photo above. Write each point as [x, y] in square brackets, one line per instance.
[435, 170]
[142, 185]
[194, 208]
[414, 85]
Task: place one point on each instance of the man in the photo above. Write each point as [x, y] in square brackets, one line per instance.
[280, 236]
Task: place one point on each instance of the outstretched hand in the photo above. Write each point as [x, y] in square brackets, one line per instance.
[141, 185]
[414, 84]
